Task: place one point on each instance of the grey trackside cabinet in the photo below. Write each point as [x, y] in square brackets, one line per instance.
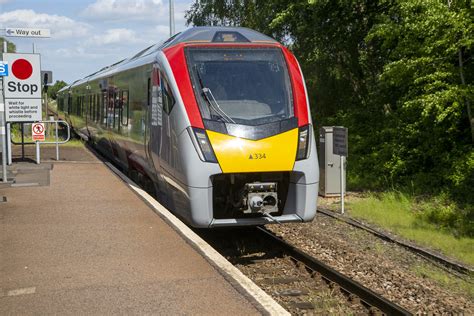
[329, 165]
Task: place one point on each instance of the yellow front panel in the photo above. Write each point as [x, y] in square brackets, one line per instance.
[275, 153]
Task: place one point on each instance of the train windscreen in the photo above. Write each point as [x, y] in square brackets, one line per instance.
[248, 86]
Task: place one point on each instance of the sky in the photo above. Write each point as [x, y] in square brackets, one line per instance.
[87, 35]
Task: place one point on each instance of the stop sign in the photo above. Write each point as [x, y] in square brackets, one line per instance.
[24, 79]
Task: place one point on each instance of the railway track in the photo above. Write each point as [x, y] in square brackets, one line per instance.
[299, 282]
[447, 264]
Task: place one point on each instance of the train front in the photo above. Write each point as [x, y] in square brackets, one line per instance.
[252, 133]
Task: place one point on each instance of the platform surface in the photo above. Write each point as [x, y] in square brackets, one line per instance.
[87, 244]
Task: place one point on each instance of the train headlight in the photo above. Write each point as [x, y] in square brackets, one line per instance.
[202, 144]
[303, 142]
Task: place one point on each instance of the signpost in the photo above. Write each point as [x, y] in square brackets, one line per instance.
[20, 87]
[340, 147]
[4, 72]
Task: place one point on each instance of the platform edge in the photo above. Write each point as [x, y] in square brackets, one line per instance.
[264, 302]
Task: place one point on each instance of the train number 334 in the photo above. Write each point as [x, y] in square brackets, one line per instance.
[258, 156]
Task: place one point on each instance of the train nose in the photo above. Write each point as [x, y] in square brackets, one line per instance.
[235, 154]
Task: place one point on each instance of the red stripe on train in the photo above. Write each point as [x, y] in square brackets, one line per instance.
[177, 60]
[299, 93]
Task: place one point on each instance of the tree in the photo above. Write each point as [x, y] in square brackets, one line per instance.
[10, 46]
[53, 90]
[398, 73]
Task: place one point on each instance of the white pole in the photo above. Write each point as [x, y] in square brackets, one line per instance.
[342, 184]
[57, 144]
[3, 125]
[171, 18]
[38, 152]
[4, 142]
[9, 144]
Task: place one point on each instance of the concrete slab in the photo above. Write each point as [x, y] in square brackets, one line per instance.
[88, 245]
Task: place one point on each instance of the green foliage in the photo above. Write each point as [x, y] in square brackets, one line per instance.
[398, 73]
[447, 215]
[53, 90]
[10, 46]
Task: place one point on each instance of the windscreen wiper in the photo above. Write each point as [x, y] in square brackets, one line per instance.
[209, 96]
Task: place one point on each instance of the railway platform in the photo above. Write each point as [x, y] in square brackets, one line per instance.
[89, 244]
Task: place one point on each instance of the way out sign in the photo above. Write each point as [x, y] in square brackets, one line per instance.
[37, 132]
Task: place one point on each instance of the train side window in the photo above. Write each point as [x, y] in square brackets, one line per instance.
[148, 95]
[114, 105]
[78, 106]
[98, 108]
[168, 98]
[124, 109]
[89, 107]
[69, 103]
[105, 105]
[93, 107]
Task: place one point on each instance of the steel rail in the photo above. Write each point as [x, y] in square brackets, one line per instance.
[366, 295]
[429, 255]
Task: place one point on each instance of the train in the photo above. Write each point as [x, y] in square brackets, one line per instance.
[214, 122]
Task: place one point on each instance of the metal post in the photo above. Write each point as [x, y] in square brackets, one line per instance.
[33, 48]
[4, 135]
[3, 123]
[57, 144]
[4, 157]
[171, 18]
[9, 144]
[342, 183]
[38, 152]
[22, 141]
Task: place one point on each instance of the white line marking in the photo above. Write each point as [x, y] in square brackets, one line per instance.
[23, 291]
[230, 273]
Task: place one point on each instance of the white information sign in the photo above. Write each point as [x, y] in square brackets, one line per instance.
[23, 110]
[27, 32]
[22, 88]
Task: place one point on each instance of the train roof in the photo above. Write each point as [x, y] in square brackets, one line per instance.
[198, 34]
[219, 34]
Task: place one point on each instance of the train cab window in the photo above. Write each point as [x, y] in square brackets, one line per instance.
[168, 98]
[246, 86]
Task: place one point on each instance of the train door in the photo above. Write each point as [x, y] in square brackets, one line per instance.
[155, 141]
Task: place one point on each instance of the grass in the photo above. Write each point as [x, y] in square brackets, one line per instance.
[400, 214]
[71, 143]
[456, 284]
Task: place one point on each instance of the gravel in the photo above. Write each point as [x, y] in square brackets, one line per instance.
[384, 267]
